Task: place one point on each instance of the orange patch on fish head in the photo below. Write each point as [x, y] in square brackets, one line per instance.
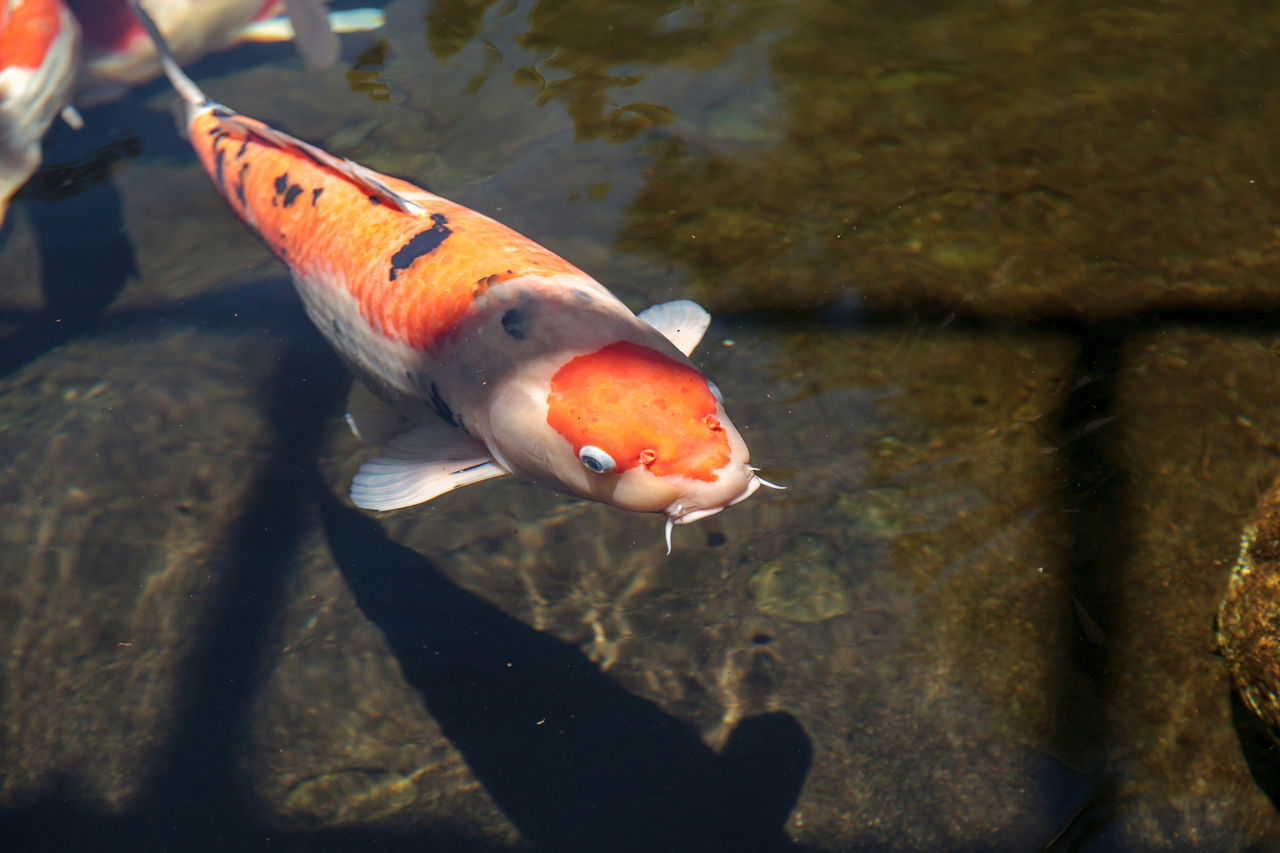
[641, 408]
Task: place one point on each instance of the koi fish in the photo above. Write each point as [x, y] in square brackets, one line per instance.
[482, 352]
[39, 45]
[50, 50]
[119, 54]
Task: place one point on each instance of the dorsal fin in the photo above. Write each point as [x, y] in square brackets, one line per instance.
[367, 179]
[682, 322]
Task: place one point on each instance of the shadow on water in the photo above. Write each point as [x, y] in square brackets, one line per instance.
[75, 210]
[198, 799]
[576, 762]
[85, 255]
[607, 770]
[1260, 749]
[1095, 497]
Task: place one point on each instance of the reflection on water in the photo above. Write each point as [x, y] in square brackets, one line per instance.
[954, 252]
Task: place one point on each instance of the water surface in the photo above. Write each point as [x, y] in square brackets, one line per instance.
[993, 288]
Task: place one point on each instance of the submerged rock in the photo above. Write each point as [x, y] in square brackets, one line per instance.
[802, 585]
[1249, 621]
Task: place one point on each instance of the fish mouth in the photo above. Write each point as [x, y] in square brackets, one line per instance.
[678, 515]
[699, 514]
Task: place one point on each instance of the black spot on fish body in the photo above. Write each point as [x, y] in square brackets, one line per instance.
[582, 296]
[218, 178]
[373, 199]
[418, 381]
[243, 146]
[286, 193]
[513, 323]
[483, 284]
[441, 408]
[244, 167]
[214, 131]
[280, 184]
[422, 243]
[315, 195]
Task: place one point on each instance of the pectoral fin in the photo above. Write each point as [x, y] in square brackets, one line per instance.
[421, 464]
[682, 322]
[72, 117]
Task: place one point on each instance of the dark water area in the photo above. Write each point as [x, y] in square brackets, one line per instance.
[993, 293]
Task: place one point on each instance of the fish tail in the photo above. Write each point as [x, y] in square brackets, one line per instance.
[316, 41]
[185, 86]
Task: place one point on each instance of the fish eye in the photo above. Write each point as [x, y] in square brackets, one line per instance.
[715, 392]
[596, 459]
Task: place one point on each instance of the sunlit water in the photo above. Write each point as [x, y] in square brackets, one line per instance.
[991, 286]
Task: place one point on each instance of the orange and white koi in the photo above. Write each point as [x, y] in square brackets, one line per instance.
[486, 353]
[39, 45]
[118, 53]
[51, 51]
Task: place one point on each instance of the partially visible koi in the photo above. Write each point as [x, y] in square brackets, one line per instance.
[486, 354]
[39, 47]
[51, 51]
[119, 54]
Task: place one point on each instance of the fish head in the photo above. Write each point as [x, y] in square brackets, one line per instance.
[628, 424]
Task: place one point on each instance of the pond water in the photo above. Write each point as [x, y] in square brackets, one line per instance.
[993, 288]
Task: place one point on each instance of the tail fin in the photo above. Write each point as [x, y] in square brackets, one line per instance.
[316, 41]
[186, 87]
[280, 27]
